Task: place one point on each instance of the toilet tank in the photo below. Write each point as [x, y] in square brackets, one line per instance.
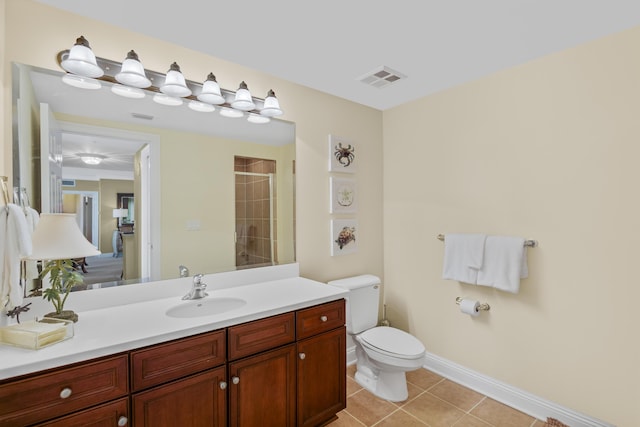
[362, 301]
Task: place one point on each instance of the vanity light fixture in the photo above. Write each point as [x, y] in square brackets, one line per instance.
[175, 84]
[243, 100]
[91, 159]
[81, 60]
[130, 79]
[271, 106]
[211, 91]
[132, 72]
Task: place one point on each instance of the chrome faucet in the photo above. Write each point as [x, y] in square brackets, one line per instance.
[184, 271]
[197, 290]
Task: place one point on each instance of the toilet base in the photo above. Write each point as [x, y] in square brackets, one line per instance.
[386, 385]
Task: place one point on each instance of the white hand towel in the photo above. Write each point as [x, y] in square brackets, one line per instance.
[17, 244]
[463, 256]
[505, 263]
[32, 220]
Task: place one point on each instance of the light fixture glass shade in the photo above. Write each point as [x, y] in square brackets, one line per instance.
[120, 213]
[174, 83]
[256, 119]
[57, 236]
[211, 91]
[81, 81]
[243, 100]
[271, 105]
[81, 60]
[132, 72]
[170, 101]
[91, 159]
[128, 91]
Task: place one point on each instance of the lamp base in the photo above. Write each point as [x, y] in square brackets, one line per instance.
[64, 314]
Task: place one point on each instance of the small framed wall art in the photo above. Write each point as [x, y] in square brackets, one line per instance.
[343, 236]
[343, 195]
[342, 155]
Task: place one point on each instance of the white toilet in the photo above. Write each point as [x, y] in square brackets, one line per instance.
[384, 353]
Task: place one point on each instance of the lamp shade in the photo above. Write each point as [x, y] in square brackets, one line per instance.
[132, 72]
[57, 236]
[175, 84]
[120, 213]
[81, 60]
[271, 105]
[211, 91]
[243, 100]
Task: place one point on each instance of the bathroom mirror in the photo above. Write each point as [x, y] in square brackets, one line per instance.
[181, 166]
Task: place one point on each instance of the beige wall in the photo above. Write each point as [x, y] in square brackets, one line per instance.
[548, 150]
[316, 116]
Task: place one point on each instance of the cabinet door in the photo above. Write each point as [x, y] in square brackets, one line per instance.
[262, 389]
[199, 400]
[111, 414]
[322, 380]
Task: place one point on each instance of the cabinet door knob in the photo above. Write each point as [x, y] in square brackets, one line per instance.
[235, 380]
[123, 421]
[324, 318]
[66, 392]
[223, 385]
[302, 356]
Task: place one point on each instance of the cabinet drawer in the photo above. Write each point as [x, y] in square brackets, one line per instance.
[321, 318]
[115, 413]
[58, 392]
[166, 362]
[260, 335]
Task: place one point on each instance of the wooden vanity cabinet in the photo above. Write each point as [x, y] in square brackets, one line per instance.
[282, 371]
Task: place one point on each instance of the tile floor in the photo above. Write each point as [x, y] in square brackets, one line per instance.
[433, 401]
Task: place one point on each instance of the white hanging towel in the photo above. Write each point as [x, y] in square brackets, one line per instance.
[463, 257]
[505, 263]
[33, 217]
[16, 240]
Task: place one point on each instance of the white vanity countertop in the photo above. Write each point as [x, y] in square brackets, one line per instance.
[104, 331]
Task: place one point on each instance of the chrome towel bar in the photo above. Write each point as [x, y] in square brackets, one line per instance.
[529, 243]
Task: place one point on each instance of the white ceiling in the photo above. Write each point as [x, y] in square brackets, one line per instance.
[327, 45]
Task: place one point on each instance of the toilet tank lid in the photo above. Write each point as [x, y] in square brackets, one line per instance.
[356, 282]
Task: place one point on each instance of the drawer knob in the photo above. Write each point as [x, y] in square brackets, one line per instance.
[235, 380]
[66, 392]
[123, 421]
[302, 356]
[223, 385]
[324, 318]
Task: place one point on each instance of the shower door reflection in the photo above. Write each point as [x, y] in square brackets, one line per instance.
[255, 212]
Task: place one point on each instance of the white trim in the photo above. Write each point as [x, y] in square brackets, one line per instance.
[511, 396]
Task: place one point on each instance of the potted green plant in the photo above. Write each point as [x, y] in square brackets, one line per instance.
[62, 277]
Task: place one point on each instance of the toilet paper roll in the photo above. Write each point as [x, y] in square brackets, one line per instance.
[470, 307]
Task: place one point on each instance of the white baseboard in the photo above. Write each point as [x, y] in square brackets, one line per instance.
[510, 396]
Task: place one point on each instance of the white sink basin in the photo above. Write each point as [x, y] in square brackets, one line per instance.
[205, 307]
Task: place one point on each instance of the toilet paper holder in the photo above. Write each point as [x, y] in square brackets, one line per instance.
[481, 307]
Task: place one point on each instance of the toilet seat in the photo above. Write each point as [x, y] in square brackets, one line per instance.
[392, 342]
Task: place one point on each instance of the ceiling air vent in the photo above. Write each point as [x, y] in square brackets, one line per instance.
[381, 77]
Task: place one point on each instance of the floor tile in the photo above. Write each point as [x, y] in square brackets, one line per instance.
[352, 386]
[433, 411]
[400, 418]
[367, 408]
[459, 396]
[470, 421]
[423, 378]
[345, 420]
[501, 415]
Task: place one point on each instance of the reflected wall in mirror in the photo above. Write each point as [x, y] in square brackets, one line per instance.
[179, 165]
